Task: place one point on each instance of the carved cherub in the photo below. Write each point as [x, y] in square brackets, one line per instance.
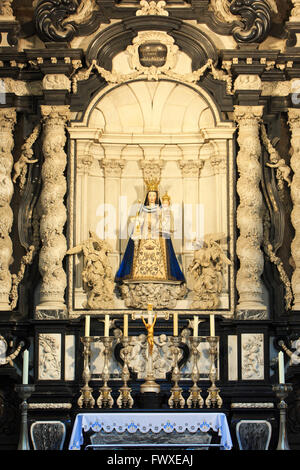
[207, 270]
[97, 273]
[20, 167]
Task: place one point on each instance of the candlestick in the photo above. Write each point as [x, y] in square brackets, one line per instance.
[125, 328]
[106, 325]
[175, 324]
[281, 367]
[87, 326]
[24, 391]
[195, 327]
[282, 391]
[86, 398]
[25, 366]
[212, 325]
[105, 399]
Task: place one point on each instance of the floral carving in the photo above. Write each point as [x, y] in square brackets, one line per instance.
[7, 123]
[249, 213]
[294, 123]
[53, 218]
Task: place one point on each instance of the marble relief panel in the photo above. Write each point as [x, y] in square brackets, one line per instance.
[49, 356]
[252, 351]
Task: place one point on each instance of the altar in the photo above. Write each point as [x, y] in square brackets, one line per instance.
[151, 424]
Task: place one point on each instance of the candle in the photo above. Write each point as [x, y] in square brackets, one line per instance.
[106, 325]
[125, 332]
[212, 325]
[25, 366]
[195, 326]
[87, 326]
[281, 367]
[175, 324]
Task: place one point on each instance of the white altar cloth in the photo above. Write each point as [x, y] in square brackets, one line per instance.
[152, 421]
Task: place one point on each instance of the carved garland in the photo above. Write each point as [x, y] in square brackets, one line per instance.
[152, 73]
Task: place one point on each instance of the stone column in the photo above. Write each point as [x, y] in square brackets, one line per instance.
[249, 212]
[54, 214]
[294, 123]
[7, 123]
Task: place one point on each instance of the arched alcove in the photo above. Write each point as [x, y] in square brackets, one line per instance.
[176, 128]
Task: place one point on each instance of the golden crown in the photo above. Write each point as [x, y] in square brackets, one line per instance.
[152, 185]
[166, 196]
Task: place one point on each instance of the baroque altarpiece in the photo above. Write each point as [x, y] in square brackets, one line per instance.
[149, 169]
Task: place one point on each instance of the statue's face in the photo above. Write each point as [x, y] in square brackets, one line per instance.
[152, 197]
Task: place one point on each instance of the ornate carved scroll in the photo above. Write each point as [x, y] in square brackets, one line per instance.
[255, 16]
[53, 218]
[249, 212]
[294, 123]
[61, 21]
[7, 123]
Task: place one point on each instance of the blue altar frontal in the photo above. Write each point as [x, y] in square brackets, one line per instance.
[151, 424]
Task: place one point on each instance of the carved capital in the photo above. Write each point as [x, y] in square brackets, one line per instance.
[112, 167]
[152, 169]
[191, 168]
[247, 116]
[56, 113]
[6, 10]
[7, 118]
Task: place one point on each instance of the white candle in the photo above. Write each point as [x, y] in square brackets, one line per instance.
[212, 325]
[87, 326]
[195, 329]
[281, 367]
[125, 330]
[25, 366]
[106, 325]
[175, 324]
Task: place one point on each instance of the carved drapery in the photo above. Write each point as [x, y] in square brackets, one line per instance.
[53, 218]
[7, 123]
[294, 123]
[249, 212]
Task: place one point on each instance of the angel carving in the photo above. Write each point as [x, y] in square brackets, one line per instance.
[207, 271]
[97, 272]
[20, 167]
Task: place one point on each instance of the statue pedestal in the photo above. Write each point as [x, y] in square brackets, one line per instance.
[139, 294]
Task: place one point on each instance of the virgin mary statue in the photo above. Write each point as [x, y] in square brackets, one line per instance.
[149, 255]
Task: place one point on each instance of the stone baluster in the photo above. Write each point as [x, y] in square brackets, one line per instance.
[54, 215]
[249, 212]
[294, 123]
[7, 123]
